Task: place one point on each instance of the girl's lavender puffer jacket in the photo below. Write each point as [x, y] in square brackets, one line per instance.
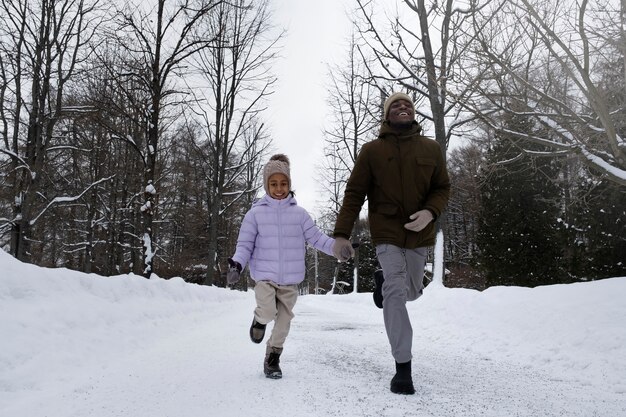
[272, 238]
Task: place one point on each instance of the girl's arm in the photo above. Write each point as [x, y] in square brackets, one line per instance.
[246, 239]
[315, 237]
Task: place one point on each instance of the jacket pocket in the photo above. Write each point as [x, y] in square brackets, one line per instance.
[425, 167]
[426, 161]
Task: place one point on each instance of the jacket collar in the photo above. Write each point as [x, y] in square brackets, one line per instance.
[387, 131]
[266, 200]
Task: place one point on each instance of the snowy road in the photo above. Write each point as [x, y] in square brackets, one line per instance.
[90, 346]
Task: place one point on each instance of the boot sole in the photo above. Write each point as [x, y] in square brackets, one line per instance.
[274, 375]
[403, 391]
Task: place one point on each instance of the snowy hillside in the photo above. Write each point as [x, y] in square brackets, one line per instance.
[77, 345]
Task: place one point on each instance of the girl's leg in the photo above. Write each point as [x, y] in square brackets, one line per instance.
[286, 296]
[265, 294]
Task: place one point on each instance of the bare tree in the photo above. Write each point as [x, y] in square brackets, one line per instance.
[160, 38]
[545, 62]
[420, 52]
[353, 122]
[250, 179]
[183, 206]
[119, 99]
[464, 208]
[236, 73]
[42, 45]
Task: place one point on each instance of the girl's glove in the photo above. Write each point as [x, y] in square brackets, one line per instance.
[234, 270]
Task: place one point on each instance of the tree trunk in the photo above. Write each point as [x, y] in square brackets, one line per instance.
[437, 99]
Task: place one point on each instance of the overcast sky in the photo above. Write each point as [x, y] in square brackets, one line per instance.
[317, 34]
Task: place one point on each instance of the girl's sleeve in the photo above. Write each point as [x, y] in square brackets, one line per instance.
[315, 237]
[246, 239]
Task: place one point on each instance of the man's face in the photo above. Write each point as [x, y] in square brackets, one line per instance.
[278, 186]
[401, 112]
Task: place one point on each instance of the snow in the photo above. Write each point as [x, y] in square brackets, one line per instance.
[437, 268]
[615, 171]
[148, 254]
[77, 344]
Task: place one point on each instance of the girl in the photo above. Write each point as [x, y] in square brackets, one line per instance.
[272, 239]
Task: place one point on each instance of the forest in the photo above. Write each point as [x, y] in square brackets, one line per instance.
[133, 133]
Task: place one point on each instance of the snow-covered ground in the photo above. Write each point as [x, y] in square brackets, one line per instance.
[77, 345]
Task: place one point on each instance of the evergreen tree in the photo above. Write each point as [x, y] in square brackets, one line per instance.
[366, 257]
[518, 235]
[596, 219]
[597, 234]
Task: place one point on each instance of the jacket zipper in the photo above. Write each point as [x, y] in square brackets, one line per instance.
[279, 278]
[402, 197]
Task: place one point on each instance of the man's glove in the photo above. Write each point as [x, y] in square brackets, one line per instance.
[234, 270]
[342, 249]
[421, 219]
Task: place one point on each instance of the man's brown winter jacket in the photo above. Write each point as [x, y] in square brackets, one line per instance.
[400, 173]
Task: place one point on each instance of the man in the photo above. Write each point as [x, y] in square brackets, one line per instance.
[404, 177]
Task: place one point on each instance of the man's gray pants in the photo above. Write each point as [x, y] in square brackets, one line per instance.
[404, 281]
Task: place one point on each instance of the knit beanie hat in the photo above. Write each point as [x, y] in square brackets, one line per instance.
[395, 97]
[278, 164]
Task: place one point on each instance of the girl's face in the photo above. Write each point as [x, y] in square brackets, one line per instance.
[278, 185]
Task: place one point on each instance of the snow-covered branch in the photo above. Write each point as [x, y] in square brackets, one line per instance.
[61, 200]
[15, 156]
[531, 62]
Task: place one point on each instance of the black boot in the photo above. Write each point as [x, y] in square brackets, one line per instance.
[379, 278]
[257, 331]
[402, 382]
[271, 364]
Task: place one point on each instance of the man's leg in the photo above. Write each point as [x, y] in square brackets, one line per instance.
[415, 261]
[395, 295]
[404, 275]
